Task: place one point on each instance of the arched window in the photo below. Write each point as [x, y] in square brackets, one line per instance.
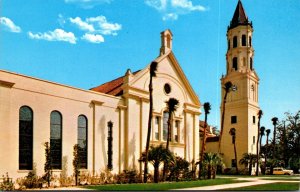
[235, 63]
[165, 125]
[56, 139]
[234, 41]
[243, 40]
[82, 140]
[25, 138]
[228, 44]
[251, 63]
[250, 41]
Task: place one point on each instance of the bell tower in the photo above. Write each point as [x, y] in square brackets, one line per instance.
[241, 105]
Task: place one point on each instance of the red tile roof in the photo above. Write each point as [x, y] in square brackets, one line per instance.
[113, 87]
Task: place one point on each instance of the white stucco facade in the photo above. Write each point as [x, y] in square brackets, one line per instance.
[129, 113]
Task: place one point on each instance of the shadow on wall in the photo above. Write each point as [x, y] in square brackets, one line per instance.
[64, 172]
[102, 126]
[188, 141]
[131, 152]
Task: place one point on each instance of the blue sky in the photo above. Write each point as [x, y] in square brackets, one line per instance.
[84, 43]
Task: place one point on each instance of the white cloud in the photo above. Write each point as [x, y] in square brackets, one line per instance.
[61, 20]
[56, 35]
[171, 9]
[82, 25]
[157, 4]
[88, 4]
[103, 26]
[188, 5]
[170, 16]
[97, 25]
[9, 25]
[93, 38]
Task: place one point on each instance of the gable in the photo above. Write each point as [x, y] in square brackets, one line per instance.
[168, 72]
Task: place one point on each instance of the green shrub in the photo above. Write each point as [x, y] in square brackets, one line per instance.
[6, 184]
[128, 176]
[30, 181]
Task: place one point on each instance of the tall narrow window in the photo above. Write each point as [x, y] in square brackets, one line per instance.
[253, 139]
[253, 119]
[156, 128]
[176, 131]
[250, 41]
[234, 41]
[165, 126]
[235, 63]
[251, 63]
[25, 138]
[82, 141]
[243, 40]
[56, 139]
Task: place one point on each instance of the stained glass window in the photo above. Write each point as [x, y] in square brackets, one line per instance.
[82, 141]
[25, 138]
[56, 139]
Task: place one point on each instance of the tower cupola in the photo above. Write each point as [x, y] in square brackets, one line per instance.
[239, 17]
[166, 41]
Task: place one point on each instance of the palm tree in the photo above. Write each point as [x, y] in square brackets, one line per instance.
[153, 68]
[275, 122]
[227, 88]
[260, 113]
[207, 109]
[247, 160]
[262, 133]
[268, 131]
[232, 132]
[157, 155]
[172, 105]
[211, 160]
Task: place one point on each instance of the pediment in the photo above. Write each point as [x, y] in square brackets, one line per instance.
[168, 72]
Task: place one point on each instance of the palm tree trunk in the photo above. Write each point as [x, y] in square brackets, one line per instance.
[167, 145]
[257, 148]
[267, 146]
[203, 147]
[209, 172]
[222, 122]
[274, 149]
[260, 139]
[156, 173]
[235, 156]
[149, 130]
[250, 166]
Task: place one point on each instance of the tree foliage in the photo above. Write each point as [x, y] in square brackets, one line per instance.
[286, 145]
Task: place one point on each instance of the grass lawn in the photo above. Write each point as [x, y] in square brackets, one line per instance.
[163, 186]
[269, 187]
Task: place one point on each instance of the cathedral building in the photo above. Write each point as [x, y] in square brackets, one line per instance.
[108, 122]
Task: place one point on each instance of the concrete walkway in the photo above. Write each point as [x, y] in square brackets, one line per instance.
[250, 182]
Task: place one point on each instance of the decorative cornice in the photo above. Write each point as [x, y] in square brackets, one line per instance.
[6, 84]
[99, 103]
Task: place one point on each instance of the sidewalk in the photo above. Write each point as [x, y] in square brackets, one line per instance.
[250, 182]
